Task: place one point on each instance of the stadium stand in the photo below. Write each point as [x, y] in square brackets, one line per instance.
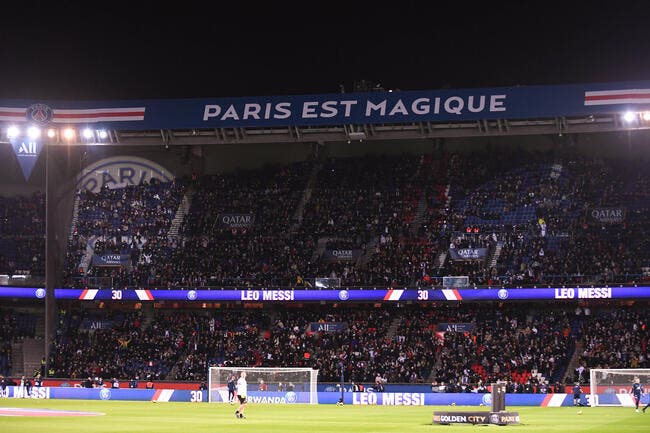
[526, 345]
[22, 235]
[394, 217]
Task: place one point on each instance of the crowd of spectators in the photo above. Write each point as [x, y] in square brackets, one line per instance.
[507, 344]
[540, 215]
[615, 338]
[531, 209]
[134, 222]
[118, 344]
[22, 234]
[15, 325]
[454, 347]
[397, 214]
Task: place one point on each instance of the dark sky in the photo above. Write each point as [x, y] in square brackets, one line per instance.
[68, 50]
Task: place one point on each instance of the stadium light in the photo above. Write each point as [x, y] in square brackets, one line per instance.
[68, 133]
[628, 116]
[87, 133]
[33, 132]
[51, 133]
[645, 115]
[102, 134]
[13, 132]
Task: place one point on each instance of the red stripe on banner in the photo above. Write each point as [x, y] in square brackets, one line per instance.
[387, 295]
[149, 295]
[546, 400]
[616, 96]
[83, 294]
[156, 394]
[95, 115]
[12, 113]
[457, 295]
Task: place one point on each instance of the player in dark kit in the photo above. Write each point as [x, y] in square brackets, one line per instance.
[231, 390]
[637, 392]
[577, 393]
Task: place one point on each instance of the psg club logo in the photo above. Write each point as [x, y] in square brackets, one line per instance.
[291, 397]
[191, 295]
[502, 294]
[40, 114]
[486, 400]
[494, 418]
[40, 293]
[105, 394]
[344, 295]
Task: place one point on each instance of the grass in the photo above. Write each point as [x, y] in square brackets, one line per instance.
[121, 416]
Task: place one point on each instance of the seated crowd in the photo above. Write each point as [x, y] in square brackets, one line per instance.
[22, 235]
[457, 347]
[396, 216]
[15, 325]
[376, 221]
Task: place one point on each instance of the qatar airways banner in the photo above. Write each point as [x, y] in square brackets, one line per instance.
[111, 259]
[335, 295]
[468, 253]
[341, 255]
[236, 220]
[607, 215]
[441, 105]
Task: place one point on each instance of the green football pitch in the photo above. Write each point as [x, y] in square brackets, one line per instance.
[120, 416]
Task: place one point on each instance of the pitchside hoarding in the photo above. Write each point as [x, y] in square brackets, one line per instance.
[271, 397]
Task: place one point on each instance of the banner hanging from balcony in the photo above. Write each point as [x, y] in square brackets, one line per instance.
[439, 105]
[27, 152]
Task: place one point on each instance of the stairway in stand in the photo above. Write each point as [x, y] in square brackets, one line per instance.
[33, 350]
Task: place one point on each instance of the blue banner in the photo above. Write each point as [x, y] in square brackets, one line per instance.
[608, 215]
[270, 397]
[27, 153]
[341, 255]
[265, 397]
[110, 259]
[236, 220]
[328, 326]
[520, 102]
[467, 253]
[96, 324]
[455, 327]
[158, 395]
[335, 295]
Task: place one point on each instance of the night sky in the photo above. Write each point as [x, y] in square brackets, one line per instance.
[64, 50]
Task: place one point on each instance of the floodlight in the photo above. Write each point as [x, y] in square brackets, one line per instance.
[68, 133]
[13, 132]
[33, 132]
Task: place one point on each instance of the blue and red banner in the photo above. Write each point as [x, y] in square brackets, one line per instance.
[290, 397]
[446, 105]
[333, 295]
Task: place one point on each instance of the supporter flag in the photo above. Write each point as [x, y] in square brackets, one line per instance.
[542, 226]
[27, 153]
[440, 335]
